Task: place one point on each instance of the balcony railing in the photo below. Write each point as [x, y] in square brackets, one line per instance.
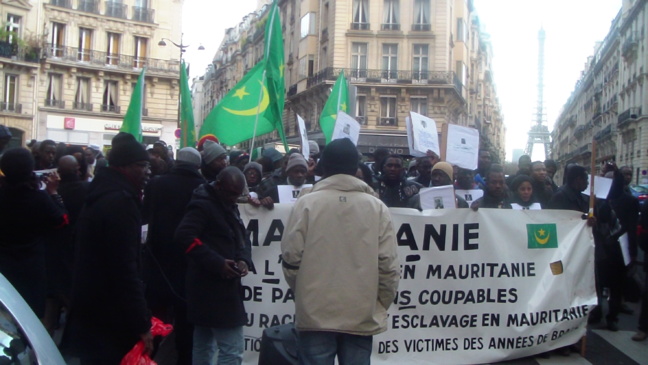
[62, 3]
[361, 119]
[141, 14]
[19, 53]
[82, 106]
[10, 107]
[359, 76]
[360, 26]
[628, 115]
[388, 121]
[101, 59]
[89, 6]
[390, 26]
[55, 103]
[423, 27]
[115, 10]
[110, 108]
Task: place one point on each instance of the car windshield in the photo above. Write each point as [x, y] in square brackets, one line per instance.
[643, 189]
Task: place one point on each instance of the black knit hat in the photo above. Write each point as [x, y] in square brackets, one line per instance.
[17, 164]
[340, 157]
[126, 150]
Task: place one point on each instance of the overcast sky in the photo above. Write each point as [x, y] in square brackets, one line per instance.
[572, 28]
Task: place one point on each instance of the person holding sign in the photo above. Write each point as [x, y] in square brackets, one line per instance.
[394, 188]
[523, 198]
[339, 256]
[496, 193]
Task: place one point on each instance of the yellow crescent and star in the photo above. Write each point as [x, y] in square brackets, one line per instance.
[260, 108]
[542, 241]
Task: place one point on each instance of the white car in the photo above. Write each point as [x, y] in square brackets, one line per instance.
[23, 339]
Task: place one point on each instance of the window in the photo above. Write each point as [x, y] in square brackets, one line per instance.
[461, 30]
[419, 105]
[58, 39]
[85, 44]
[112, 52]
[140, 52]
[361, 109]
[10, 93]
[13, 27]
[109, 100]
[388, 110]
[421, 15]
[420, 62]
[360, 15]
[82, 96]
[115, 8]
[390, 19]
[462, 72]
[54, 89]
[308, 25]
[359, 60]
[390, 61]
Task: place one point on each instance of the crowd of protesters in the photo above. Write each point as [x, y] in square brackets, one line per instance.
[72, 237]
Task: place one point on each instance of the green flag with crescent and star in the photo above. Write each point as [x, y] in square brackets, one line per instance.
[274, 58]
[133, 118]
[232, 120]
[338, 100]
[542, 236]
[187, 128]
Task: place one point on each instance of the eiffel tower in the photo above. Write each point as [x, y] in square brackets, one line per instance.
[539, 133]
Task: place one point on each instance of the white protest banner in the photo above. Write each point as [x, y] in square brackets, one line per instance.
[289, 193]
[346, 127]
[463, 146]
[470, 195]
[424, 134]
[533, 206]
[476, 287]
[305, 148]
[410, 139]
[438, 197]
[602, 186]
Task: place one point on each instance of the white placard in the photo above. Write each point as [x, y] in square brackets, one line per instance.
[602, 186]
[424, 134]
[438, 197]
[462, 147]
[533, 206]
[304, 137]
[289, 193]
[470, 195]
[346, 127]
[410, 140]
[625, 248]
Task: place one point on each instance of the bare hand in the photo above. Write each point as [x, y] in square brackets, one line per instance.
[230, 270]
[147, 338]
[52, 182]
[243, 268]
[267, 202]
[254, 202]
[311, 167]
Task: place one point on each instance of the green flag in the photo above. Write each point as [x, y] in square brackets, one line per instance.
[274, 58]
[542, 236]
[187, 129]
[338, 100]
[232, 120]
[133, 118]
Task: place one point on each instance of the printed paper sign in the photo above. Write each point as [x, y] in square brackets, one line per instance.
[346, 127]
[289, 193]
[305, 148]
[438, 197]
[462, 147]
[410, 140]
[602, 186]
[470, 195]
[424, 134]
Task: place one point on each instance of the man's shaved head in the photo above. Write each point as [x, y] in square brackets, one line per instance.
[230, 183]
[68, 165]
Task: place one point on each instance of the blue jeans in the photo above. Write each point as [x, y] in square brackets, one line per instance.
[227, 343]
[317, 348]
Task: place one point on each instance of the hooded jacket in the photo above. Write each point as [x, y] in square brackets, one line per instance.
[340, 258]
[210, 232]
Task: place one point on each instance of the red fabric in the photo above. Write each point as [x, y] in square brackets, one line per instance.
[640, 230]
[136, 355]
[66, 221]
[196, 242]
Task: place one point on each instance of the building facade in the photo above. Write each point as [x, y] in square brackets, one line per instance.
[89, 54]
[608, 105]
[427, 56]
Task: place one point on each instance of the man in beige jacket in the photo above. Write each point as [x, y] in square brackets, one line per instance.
[340, 258]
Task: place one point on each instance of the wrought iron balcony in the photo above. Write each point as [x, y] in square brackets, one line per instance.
[102, 59]
[55, 103]
[388, 121]
[628, 116]
[360, 26]
[361, 119]
[10, 107]
[115, 10]
[141, 14]
[390, 26]
[89, 6]
[62, 3]
[82, 106]
[19, 53]
[110, 108]
[423, 27]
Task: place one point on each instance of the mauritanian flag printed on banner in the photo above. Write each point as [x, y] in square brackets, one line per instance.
[476, 287]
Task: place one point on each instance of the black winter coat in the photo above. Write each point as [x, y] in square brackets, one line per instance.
[165, 200]
[108, 309]
[211, 232]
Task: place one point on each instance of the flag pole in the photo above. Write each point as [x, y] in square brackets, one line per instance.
[256, 120]
[592, 196]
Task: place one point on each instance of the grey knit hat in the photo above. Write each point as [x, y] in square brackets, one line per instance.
[212, 151]
[189, 155]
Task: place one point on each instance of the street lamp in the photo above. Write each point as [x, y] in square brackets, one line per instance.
[183, 49]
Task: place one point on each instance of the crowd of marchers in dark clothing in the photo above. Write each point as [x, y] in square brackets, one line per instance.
[74, 247]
